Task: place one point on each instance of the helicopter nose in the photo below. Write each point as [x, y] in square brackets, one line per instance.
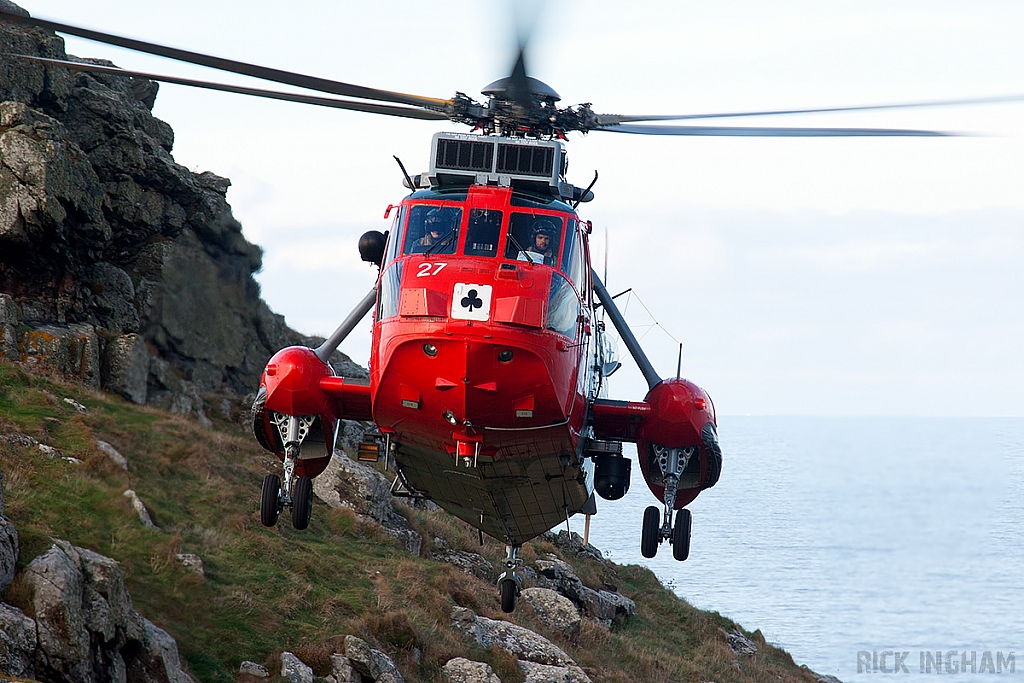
[479, 383]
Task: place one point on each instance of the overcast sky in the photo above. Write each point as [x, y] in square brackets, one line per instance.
[824, 276]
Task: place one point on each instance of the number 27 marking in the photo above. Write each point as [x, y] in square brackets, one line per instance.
[427, 269]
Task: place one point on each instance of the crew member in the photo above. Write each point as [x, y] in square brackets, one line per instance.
[432, 229]
[542, 242]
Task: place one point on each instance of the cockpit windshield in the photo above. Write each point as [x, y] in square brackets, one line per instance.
[483, 232]
[432, 229]
[535, 238]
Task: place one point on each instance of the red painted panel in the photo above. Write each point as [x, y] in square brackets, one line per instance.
[419, 301]
[519, 310]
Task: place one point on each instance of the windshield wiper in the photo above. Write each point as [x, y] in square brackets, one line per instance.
[520, 248]
[444, 241]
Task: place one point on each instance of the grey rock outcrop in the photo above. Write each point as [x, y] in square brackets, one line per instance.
[573, 542]
[520, 642]
[543, 673]
[191, 562]
[10, 318]
[820, 678]
[342, 670]
[740, 644]
[71, 351]
[111, 253]
[560, 576]
[85, 630]
[140, 509]
[606, 606]
[248, 668]
[602, 605]
[555, 611]
[125, 367]
[294, 669]
[8, 544]
[471, 563]
[462, 670]
[351, 484]
[17, 642]
[112, 453]
[371, 663]
[8, 552]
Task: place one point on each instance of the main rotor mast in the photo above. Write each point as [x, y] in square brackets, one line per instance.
[512, 113]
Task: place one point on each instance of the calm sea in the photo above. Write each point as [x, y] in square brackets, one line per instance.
[846, 538]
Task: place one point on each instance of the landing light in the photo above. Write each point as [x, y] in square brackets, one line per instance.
[450, 416]
[430, 350]
[505, 356]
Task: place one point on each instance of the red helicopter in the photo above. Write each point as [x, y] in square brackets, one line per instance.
[489, 351]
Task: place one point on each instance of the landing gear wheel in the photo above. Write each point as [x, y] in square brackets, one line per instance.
[681, 535]
[651, 535]
[302, 503]
[270, 497]
[509, 591]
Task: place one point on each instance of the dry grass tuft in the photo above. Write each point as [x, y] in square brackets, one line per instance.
[592, 636]
[164, 554]
[19, 594]
[394, 629]
[341, 521]
[316, 657]
[505, 665]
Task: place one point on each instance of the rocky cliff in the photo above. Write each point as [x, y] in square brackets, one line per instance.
[119, 267]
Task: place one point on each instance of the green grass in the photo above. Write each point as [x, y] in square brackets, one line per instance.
[269, 590]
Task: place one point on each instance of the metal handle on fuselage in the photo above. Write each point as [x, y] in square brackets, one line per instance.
[330, 345]
[623, 329]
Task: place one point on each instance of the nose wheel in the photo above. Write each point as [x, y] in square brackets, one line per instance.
[510, 584]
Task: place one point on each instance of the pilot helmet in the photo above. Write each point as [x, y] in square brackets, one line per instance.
[434, 220]
[544, 227]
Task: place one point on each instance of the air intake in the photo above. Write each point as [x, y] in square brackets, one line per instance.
[465, 155]
[523, 160]
[529, 165]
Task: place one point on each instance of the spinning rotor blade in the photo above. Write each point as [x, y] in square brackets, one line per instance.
[518, 87]
[741, 131]
[610, 119]
[256, 71]
[256, 92]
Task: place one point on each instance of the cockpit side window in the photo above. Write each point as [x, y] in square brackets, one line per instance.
[482, 232]
[432, 228]
[535, 238]
[571, 255]
[395, 238]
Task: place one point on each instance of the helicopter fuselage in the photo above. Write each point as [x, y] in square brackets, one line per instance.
[479, 369]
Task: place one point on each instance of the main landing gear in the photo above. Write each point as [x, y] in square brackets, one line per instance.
[678, 535]
[672, 462]
[509, 583]
[295, 492]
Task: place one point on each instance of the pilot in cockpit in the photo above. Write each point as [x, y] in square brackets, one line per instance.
[433, 229]
[541, 249]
